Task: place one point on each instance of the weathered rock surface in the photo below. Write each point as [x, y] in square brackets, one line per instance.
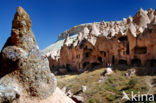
[24, 71]
[78, 99]
[130, 41]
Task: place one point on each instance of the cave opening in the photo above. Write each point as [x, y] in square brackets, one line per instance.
[123, 38]
[104, 54]
[122, 62]
[136, 62]
[78, 56]
[85, 48]
[149, 30]
[127, 49]
[140, 50]
[113, 59]
[94, 64]
[87, 54]
[152, 62]
[85, 64]
[68, 67]
[100, 59]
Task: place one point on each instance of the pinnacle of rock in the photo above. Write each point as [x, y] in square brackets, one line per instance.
[154, 20]
[21, 18]
[124, 20]
[141, 18]
[95, 30]
[23, 68]
[66, 41]
[86, 30]
[22, 35]
[150, 14]
[132, 29]
[155, 12]
[130, 19]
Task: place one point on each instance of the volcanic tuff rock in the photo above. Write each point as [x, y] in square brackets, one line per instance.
[25, 74]
[130, 41]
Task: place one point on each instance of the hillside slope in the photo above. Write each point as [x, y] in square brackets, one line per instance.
[130, 41]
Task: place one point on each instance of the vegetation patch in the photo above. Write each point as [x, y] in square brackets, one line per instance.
[110, 90]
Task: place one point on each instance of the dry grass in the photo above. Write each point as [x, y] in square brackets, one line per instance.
[109, 91]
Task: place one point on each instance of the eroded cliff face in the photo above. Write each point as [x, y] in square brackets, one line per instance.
[25, 76]
[130, 41]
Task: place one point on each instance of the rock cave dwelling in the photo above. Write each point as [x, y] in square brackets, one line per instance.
[130, 41]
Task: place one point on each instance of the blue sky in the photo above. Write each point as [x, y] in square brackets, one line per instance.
[52, 17]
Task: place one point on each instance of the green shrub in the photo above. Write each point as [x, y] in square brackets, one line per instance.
[111, 97]
[109, 87]
[132, 82]
[92, 100]
[73, 41]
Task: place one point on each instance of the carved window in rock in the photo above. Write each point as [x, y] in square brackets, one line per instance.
[90, 50]
[81, 46]
[104, 54]
[78, 56]
[124, 52]
[94, 64]
[100, 59]
[136, 62]
[68, 66]
[123, 38]
[87, 54]
[127, 49]
[121, 61]
[149, 30]
[124, 41]
[86, 47]
[85, 64]
[140, 50]
[113, 59]
[152, 62]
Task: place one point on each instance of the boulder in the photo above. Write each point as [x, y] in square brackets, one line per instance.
[78, 99]
[109, 71]
[64, 89]
[95, 30]
[69, 93]
[84, 88]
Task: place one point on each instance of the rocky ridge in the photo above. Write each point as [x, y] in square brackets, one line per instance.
[114, 42]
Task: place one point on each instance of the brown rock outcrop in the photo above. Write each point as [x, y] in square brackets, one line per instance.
[130, 41]
[141, 18]
[25, 74]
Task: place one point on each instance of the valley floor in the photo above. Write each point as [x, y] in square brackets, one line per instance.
[109, 89]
